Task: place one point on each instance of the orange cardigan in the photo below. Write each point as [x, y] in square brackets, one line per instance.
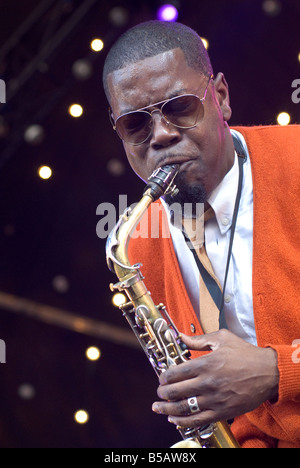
[275, 162]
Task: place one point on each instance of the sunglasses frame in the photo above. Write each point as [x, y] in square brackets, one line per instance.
[157, 104]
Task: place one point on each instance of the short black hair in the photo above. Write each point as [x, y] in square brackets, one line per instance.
[152, 38]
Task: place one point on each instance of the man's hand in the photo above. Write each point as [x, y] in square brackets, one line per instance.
[234, 378]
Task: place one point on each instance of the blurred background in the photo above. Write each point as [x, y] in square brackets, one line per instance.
[55, 301]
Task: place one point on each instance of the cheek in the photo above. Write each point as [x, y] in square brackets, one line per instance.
[214, 132]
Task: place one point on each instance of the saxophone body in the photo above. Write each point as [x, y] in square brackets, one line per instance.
[151, 323]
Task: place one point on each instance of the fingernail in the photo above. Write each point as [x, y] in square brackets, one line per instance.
[171, 420]
[162, 379]
[155, 408]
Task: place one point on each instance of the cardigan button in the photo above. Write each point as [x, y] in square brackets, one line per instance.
[193, 328]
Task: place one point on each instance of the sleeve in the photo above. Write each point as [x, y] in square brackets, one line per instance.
[281, 419]
[249, 436]
[289, 371]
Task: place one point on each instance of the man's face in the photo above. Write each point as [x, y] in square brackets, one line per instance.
[205, 152]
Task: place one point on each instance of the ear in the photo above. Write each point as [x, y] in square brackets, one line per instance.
[222, 96]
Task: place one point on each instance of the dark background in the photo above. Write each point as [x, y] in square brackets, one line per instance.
[48, 228]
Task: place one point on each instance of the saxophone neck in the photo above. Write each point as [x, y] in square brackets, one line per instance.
[160, 182]
[118, 240]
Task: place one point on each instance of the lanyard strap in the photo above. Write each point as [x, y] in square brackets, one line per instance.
[241, 158]
[211, 284]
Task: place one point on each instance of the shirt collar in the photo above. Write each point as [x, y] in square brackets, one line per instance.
[223, 197]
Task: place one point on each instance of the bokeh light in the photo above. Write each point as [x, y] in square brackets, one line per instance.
[283, 118]
[45, 172]
[205, 42]
[167, 13]
[119, 299]
[76, 110]
[97, 45]
[93, 353]
[81, 416]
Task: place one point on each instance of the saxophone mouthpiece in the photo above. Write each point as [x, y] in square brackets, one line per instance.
[161, 182]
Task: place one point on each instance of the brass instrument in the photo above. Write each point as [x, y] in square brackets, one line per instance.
[151, 323]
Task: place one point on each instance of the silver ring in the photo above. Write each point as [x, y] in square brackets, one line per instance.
[193, 405]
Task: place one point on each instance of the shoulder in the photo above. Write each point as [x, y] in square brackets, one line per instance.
[271, 135]
[274, 144]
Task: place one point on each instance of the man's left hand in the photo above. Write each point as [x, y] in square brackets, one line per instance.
[234, 378]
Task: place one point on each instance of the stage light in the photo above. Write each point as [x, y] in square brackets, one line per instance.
[81, 417]
[167, 13]
[283, 118]
[205, 42]
[82, 69]
[76, 110]
[299, 57]
[119, 299]
[118, 16]
[45, 172]
[115, 167]
[61, 284]
[93, 353]
[26, 391]
[272, 7]
[97, 45]
[34, 135]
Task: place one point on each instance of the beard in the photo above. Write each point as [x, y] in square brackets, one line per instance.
[193, 193]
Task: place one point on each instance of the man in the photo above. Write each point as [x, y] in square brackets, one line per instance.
[249, 374]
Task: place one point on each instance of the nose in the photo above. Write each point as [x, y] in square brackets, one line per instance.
[163, 133]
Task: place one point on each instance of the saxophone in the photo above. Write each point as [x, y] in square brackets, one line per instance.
[151, 323]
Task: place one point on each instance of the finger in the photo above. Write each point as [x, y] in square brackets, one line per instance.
[178, 408]
[198, 420]
[183, 371]
[180, 390]
[186, 370]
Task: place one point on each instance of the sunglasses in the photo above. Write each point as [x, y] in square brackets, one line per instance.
[184, 111]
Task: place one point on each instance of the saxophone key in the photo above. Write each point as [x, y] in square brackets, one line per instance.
[127, 306]
[144, 335]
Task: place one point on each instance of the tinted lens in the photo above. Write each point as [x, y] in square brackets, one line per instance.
[183, 111]
[134, 127]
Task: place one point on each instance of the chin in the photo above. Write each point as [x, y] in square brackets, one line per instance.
[189, 192]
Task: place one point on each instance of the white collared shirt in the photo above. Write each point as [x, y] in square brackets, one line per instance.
[238, 305]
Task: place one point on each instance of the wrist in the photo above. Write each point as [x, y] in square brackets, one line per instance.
[272, 360]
